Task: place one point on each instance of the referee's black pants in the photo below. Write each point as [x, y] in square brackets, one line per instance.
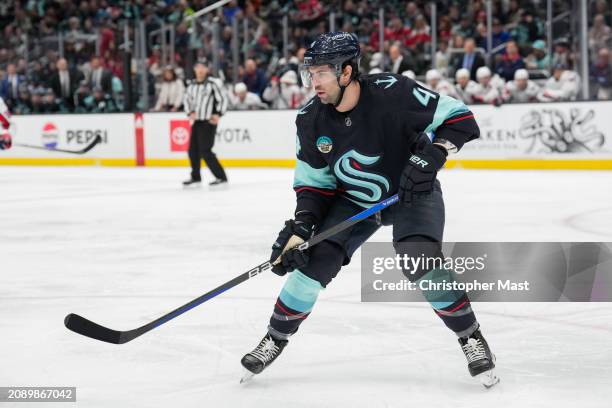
[200, 147]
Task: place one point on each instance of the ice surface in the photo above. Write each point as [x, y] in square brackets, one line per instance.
[123, 246]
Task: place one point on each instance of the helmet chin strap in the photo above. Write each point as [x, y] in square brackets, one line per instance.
[342, 89]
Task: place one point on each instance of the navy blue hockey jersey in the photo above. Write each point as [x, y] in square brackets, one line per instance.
[361, 154]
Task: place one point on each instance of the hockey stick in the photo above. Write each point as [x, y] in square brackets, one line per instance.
[84, 150]
[88, 328]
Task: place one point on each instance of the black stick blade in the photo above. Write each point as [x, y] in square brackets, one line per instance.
[90, 329]
[96, 141]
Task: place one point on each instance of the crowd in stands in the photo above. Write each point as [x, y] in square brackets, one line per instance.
[88, 75]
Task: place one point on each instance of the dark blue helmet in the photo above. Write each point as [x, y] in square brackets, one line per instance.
[333, 49]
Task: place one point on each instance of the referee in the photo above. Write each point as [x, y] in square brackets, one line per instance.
[205, 102]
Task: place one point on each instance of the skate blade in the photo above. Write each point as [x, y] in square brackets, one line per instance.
[246, 376]
[488, 379]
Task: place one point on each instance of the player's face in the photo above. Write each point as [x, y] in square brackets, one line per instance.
[323, 79]
[521, 83]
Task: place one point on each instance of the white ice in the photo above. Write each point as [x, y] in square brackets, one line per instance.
[123, 246]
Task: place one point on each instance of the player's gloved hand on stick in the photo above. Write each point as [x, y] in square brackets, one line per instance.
[419, 175]
[285, 259]
[5, 140]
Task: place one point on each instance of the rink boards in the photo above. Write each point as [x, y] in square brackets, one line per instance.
[574, 135]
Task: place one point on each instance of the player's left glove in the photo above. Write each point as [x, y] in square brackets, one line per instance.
[5, 140]
[419, 176]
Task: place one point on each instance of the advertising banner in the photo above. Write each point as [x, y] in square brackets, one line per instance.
[71, 132]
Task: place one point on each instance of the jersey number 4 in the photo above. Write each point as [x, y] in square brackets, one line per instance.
[423, 95]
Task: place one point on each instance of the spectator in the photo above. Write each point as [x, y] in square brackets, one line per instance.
[254, 77]
[470, 59]
[399, 62]
[442, 58]
[561, 53]
[599, 35]
[500, 36]
[421, 34]
[538, 59]
[82, 97]
[50, 104]
[101, 102]
[528, 29]
[521, 89]
[562, 86]
[287, 94]
[24, 104]
[99, 77]
[490, 87]
[64, 83]
[36, 103]
[444, 30]
[398, 33]
[465, 28]
[481, 36]
[36, 75]
[412, 12]
[171, 92]
[436, 82]
[374, 42]
[601, 75]
[465, 88]
[242, 99]
[603, 7]
[510, 62]
[9, 87]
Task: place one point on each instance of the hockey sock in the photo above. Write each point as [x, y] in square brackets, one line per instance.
[293, 305]
[452, 306]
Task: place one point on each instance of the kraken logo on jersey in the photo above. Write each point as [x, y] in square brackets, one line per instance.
[348, 170]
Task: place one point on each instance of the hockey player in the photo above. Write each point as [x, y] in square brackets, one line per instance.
[465, 88]
[359, 141]
[490, 89]
[562, 86]
[5, 123]
[436, 82]
[521, 89]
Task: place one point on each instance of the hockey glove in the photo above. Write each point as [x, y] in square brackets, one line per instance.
[5, 140]
[419, 176]
[285, 257]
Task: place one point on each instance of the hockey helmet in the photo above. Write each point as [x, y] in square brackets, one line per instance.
[483, 72]
[336, 49]
[521, 74]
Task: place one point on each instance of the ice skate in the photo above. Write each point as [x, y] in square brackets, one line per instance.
[262, 356]
[481, 362]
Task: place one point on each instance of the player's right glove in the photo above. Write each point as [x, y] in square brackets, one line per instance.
[285, 257]
[5, 140]
[419, 176]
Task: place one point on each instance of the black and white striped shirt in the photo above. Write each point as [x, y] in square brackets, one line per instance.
[205, 98]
